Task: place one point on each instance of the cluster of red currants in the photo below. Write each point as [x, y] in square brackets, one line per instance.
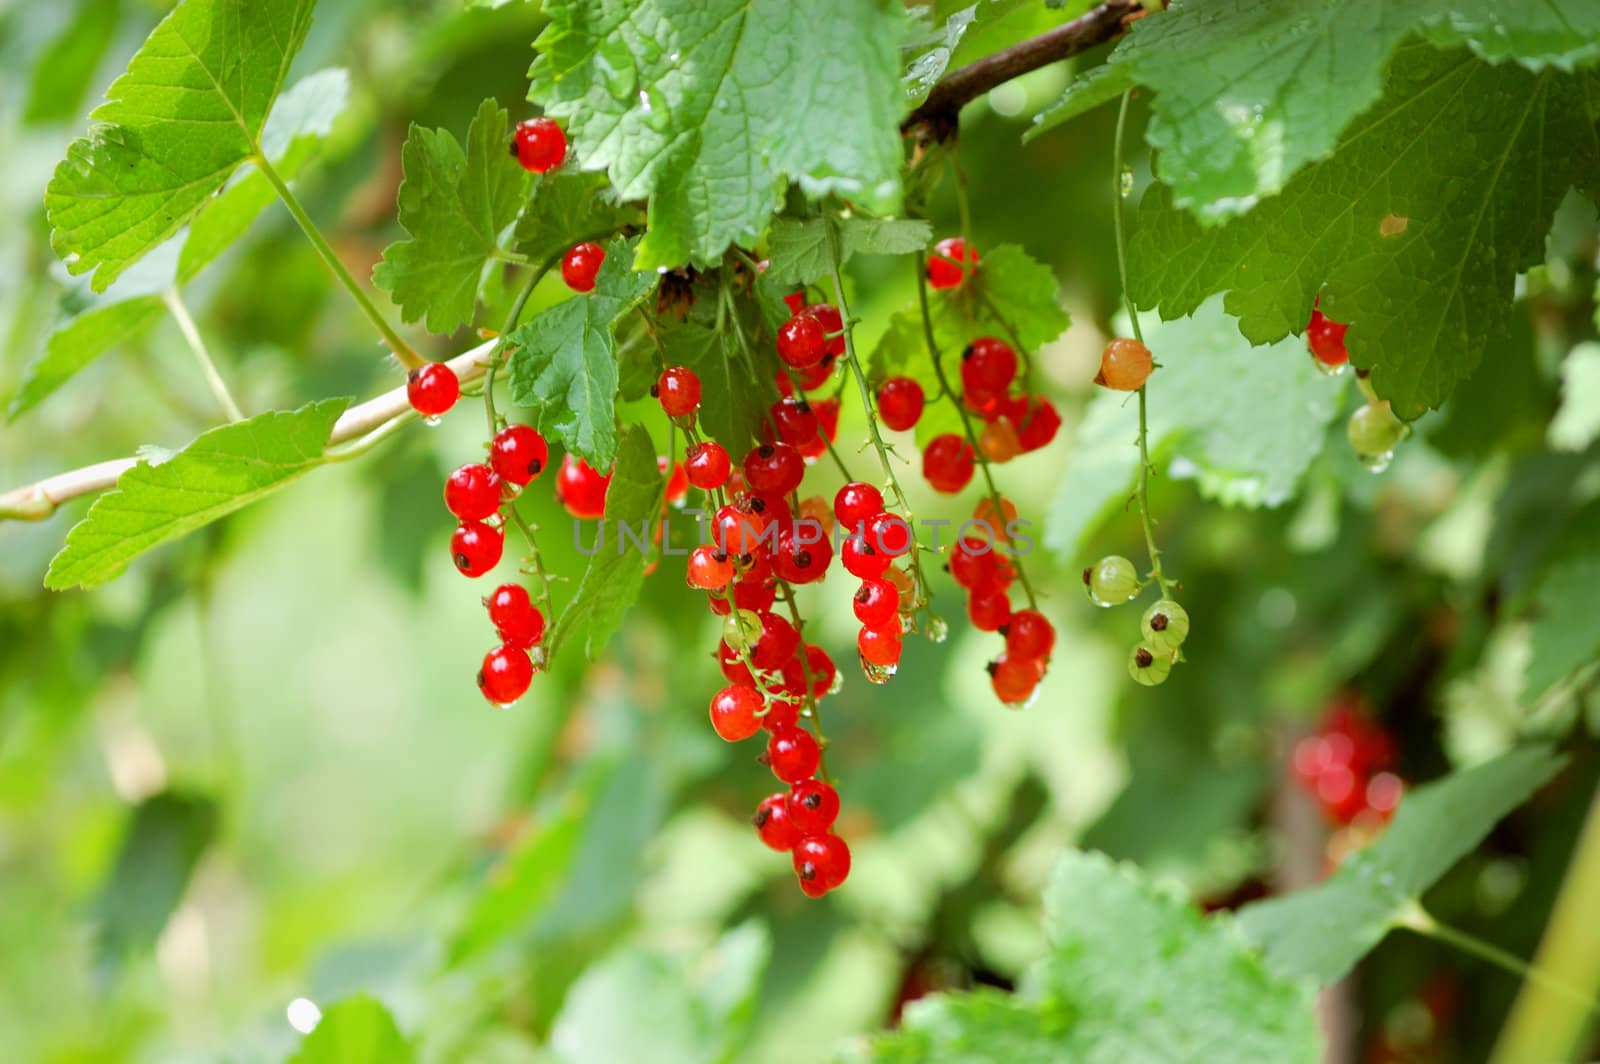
[1345, 765]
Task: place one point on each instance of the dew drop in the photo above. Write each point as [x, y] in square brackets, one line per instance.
[1327, 370]
[878, 674]
[837, 683]
[1125, 182]
[434, 420]
[1375, 463]
[938, 629]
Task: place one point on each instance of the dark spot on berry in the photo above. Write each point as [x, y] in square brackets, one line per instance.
[655, 391]
[803, 406]
[1158, 623]
[966, 352]
[766, 450]
[802, 558]
[462, 562]
[757, 505]
[1088, 573]
[481, 680]
[862, 594]
[534, 467]
[412, 375]
[747, 559]
[720, 555]
[511, 145]
[1004, 629]
[812, 800]
[762, 816]
[992, 667]
[807, 871]
[1143, 658]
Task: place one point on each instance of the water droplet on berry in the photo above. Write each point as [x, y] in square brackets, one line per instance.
[1327, 370]
[837, 682]
[938, 629]
[1125, 182]
[432, 421]
[1375, 463]
[879, 674]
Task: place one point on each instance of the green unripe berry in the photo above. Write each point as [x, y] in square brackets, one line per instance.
[741, 629]
[1111, 581]
[1165, 625]
[1374, 431]
[1149, 666]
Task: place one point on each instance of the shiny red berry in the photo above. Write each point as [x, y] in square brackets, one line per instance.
[972, 561]
[739, 531]
[794, 422]
[432, 389]
[774, 467]
[580, 265]
[795, 301]
[539, 144]
[514, 616]
[855, 504]
[820, 665]
[988, 365]
[877, 603]
[879, 646]
[1029, 635]
[734, 670]
[988, 606]
[860, 559]
[802, 341]
[942, 271]
[709, 569]
[813, 806]
[822, 862]
[948, 463]
[580, 488]
[505, 675]
[889, 534]
[735, 712]
[476, 547]
[1325, 337]
[756, 595]
[773, 825]
[832, 323]
[472, 492]
[1014, 679]
[803, 555]
[793, 754]
[778, 642]
[518, 454]
[1038, 425]
[900, 402]
[707, 465]
[678, 390]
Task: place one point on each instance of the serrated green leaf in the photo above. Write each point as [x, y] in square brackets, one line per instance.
[187, 112]
[1414, 232]
[456, 205]
[165, 836]
[1566, 625]
[934, 53]
[733, 403]
[564, 365]
[641, 1004]
[520, 885]
[219, 472]
[568, 208]
[1133, 974]
[1099, 85]
[90, 323]
[1321, 931]
[1577, 421]
[1245, 422]
[358, 1030]
[611, 583]
[799, 246]
[1564, 34]
[684, 103]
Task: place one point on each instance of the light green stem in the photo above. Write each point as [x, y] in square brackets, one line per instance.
[191, 336]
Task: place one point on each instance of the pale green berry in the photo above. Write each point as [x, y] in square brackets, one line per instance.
[1374, 431]
[1111, 581]
[1148, 665]
[740, 629]
[1165, 625]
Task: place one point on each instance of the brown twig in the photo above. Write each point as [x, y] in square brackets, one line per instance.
[936, 118]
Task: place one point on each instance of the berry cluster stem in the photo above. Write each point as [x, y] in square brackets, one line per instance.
[853, 364]
[402, 350]
[1156, 572]
[197, 345]
[966, 421]
[787, 592]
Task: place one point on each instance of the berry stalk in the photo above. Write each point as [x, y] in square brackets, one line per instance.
[197, 345]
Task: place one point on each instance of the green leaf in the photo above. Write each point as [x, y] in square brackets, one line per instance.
[611, 583]
[358, 1030]
[1504, 406]
[1099, 85]
[799, 247]
[1246, 423]
[1414, 232]
[564, 364]
[1577, 421]
[933, 58]
[1133, 974]
[696, 105]
[1320, 932]
[733, 402]
[456, 205]
[187, 112]
[165, 836]
[568, 208]
[1566, 626]
[62, 74]
[219, 472]
[520, 885]
[641, 1004]
[1561, 33]
[90, 323]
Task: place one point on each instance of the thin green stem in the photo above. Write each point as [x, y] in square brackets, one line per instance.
[402, 350]
[1156, 572]
[1423, 923]
[197, 345]
[966, 424]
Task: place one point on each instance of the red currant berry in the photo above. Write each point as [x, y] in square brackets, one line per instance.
[814, 377]
[1029, 635]
[877, 603]
[793, 754]
[756, 595]
[432, 389]
[973, 561]
[518, 454]
[774, 467]
[803, 555]
[1325, 337]
[784, 712]
[827, 411]
[889, 534]
[677, 478]
[678, 390]
[476, 547]
[1038, 425]
[801, 341]
[778, 642]
[879, 646]
[735, 712]
[988, 365]
[900, 402]
[795, 301]
[739, 531]
[821, 860]
[794, 422]
[514, 616]
[813, 806]
[472, 492]
[861, 560]
[820, 665]
[580, 488]
[707, 465]
[539, 145]
[1014, 679]
[734, 670]
[505, 675]
[1124, 365]
[832, 323]
[856, 504]
[948, 463]
[988, 606]
[709, 569]
[772, 823]
[942, 269]
[580, 265]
